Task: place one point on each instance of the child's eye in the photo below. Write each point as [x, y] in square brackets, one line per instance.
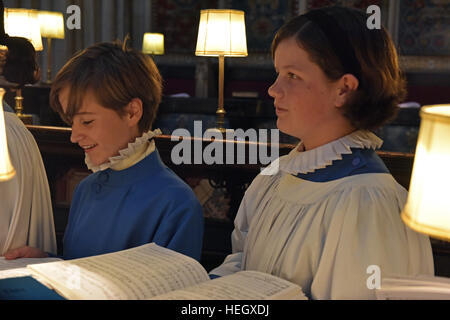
[292, 76]
[87, 122]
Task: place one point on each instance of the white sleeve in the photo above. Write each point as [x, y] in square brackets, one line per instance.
[367, 240]
[250, 206]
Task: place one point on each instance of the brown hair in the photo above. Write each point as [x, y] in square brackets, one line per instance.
[116, 75]
[381, 83]
[17, 64]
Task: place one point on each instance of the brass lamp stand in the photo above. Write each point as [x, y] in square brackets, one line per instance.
[49, 61]
[26, 118]
[220, 113]
[221, 33]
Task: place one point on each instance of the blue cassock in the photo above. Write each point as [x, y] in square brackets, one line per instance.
[117, 210]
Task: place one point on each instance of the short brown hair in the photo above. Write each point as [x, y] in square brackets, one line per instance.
[18, 64]
[381, 83]
[116, 75]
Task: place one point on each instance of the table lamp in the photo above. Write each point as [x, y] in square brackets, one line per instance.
[51, 27]
[23, 23]
[427, 209]
[221, 33]
[153, 43]
[6, 168]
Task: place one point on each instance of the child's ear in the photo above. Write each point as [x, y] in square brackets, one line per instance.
[134, 111]
[346, 85]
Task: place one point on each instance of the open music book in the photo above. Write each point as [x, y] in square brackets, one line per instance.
[151, 271]
[18, 267]
[422, 287]
[22, 262]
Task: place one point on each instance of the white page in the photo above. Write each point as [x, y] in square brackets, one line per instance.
[420, 280]
[15, 273]
[413, 293]
[414, 287]
[136, 273]
[22, 262]
[243, 285]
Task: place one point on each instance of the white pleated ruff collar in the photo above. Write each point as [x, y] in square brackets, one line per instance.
[296, 162]
[124, 154]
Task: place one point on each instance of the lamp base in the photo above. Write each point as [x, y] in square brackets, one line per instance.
[26, 118]
[220, 120]
[223, 131]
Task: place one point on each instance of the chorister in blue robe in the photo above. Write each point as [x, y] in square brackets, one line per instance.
[114, 210]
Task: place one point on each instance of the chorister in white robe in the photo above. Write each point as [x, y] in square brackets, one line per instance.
[26, 215]
[328, 220]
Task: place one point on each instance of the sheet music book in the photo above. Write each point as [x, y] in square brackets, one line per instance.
[151, 271]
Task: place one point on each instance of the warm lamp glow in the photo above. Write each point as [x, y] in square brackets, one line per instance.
[428, 207]
[153, 43]
[221, 32]
[6, 169]
[52, 27]
[24, 23]
[51, 24]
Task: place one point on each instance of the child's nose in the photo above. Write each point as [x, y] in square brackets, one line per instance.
[76, 134]
[273, 90]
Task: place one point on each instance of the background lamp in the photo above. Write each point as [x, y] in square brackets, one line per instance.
[428, 207]
[153, 43]
[6, 169]
[24, 23]
[221, 33]
[51, 27]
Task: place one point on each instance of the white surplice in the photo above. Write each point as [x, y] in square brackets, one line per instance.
[331, 237]
[26, 215]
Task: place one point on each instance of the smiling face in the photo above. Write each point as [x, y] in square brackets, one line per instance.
[100, 131]
[304, 98]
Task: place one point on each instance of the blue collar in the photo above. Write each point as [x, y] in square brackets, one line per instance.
[360, 161]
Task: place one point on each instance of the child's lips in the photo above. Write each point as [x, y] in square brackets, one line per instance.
[279, 110]
[88, 148]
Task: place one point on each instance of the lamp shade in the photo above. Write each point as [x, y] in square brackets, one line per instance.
[428, 206]
[24, 23]
[51, 24]
[221, 32]
[153, 43]
[6, 169]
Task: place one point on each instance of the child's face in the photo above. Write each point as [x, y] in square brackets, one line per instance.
[100, 131]
[303, 96]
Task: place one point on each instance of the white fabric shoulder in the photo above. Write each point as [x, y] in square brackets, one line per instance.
[26, 214]
[135, 152]
[308, 161]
